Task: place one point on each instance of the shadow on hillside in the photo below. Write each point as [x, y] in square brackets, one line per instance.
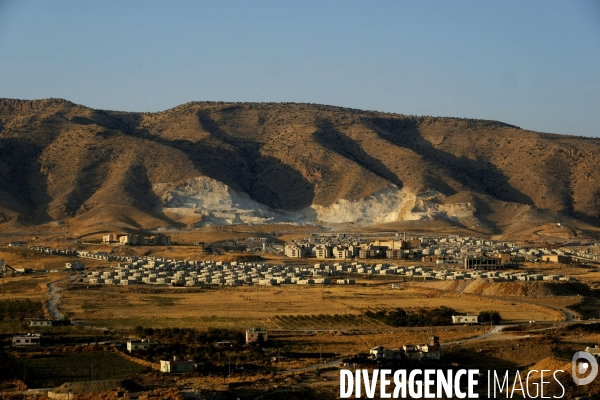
[235, 161]
[139, 187]
[89, 179]
[338, 142]
[478, 175]
[240, 164]
[21, 175]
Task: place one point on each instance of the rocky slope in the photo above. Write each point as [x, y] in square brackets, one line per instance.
[212, 163]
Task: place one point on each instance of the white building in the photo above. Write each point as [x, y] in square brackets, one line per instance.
[40, 322]
[136, 345]
[465, 319]
[176, 365]
[31, 339]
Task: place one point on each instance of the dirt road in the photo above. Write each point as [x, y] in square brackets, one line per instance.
[51, 304]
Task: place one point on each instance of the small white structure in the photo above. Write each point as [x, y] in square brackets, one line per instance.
[465, 319]
[176, 365]
[595, 351]
[40, 322]
[31, 339]
[75, 266]
[256, 334]
[377, 352]
[136, 345]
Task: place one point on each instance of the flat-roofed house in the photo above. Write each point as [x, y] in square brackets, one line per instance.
[465, 319]
[40, 322]
[31, 339]
[136, 345]
[176, 365]
[256, 334]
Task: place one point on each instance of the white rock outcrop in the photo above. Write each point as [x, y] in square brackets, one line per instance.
[218, 204]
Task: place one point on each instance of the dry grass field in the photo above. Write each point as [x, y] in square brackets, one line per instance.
[242, 307]
[18, 257]
[32, 287]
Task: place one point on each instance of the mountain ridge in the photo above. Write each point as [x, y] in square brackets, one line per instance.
[284, 162]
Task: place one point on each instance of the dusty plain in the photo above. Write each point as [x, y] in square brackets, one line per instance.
[318, 323]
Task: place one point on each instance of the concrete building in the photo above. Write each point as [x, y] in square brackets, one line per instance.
[427, 351]
[367, 253]
[341, 253]
[556, 258]
[465, 319]
[322, 252]
[396, 254]
[176, 365]
[40, 322]
[31, 339]
[139, 240]
[136, 345]
[595, 351]
[377, 352]
[75, 266]
[295, 251]
[157, 240]
[256, 334]
[110, 238]
[132, 240]
[483, 263]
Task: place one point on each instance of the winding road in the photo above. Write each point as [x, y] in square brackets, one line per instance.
[51, 304]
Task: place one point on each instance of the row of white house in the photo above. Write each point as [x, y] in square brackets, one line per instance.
[153, 270]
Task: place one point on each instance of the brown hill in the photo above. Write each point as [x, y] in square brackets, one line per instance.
[217, 163]
[492, 287]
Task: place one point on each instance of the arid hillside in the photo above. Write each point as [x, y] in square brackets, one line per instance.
[207, 163]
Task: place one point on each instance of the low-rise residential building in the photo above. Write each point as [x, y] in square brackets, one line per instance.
[483, 263]
[427, 351]
[557, 258]
[40, 322]
[176, 365]
[256, 334]
[377, 352]
[75, 266]
[465, 319]
[31, 339]
[139, 240]
[136, 345]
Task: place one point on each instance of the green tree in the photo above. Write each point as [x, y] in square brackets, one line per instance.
[491, 316]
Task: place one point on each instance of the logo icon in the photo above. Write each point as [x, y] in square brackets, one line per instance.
[581, 367]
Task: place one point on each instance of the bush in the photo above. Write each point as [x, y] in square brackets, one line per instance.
[420, 317]
[490, 316]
